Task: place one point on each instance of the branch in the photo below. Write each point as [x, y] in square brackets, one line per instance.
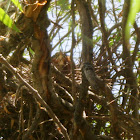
[99, 85]
[129, 74]
[105, 41]
[36, 96]
[114, 27]
[65, 81]
[63, 93]
[33, 126]
[72, 48]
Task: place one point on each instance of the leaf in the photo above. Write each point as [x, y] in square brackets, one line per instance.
[7, 20]
[134, 8]
[17, 4]
[98, 106]
[31, 51]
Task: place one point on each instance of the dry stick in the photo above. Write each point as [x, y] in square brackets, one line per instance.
[33, 126]
[37, 96]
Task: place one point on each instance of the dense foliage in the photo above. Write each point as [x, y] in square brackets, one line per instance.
[69, 70]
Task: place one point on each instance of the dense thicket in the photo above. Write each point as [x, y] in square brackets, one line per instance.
[71, 72]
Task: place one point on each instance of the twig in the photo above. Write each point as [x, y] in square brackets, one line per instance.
[33, 126]
[37, 96]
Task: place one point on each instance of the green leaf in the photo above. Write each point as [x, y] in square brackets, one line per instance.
[17, 4]
[98, 106]
[31, 51]
[7, 20]
[134, 9]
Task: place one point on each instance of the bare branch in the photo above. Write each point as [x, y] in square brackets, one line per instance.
[37, 96]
